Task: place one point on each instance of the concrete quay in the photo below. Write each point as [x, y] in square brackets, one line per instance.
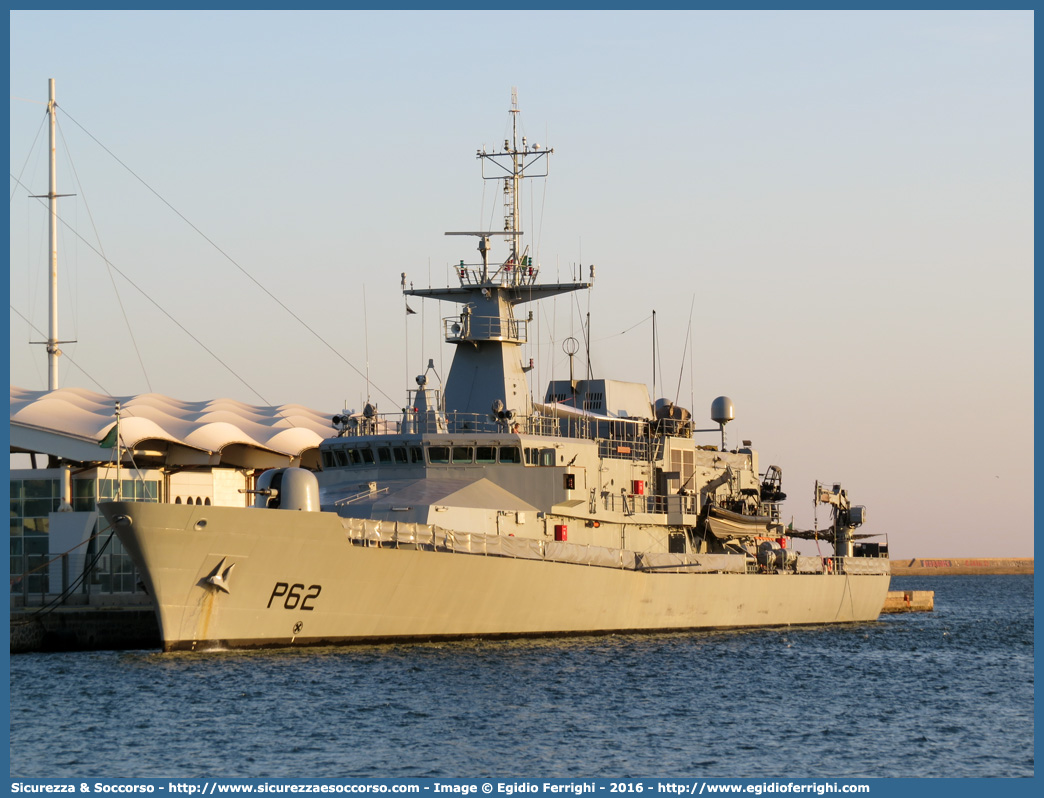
[909, 601]
[84, 629]
[961, 566]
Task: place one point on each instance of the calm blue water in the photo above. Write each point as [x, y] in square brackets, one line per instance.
[948, 693]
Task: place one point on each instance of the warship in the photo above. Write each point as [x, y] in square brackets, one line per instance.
[479, 511]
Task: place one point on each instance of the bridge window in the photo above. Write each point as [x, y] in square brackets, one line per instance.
[438, 454]
[400, 454]
[342, 458]
[367, 455]
[384, 454]
[540, 457]
[462, 454]
[416, 454]
[510, 454]
[485, 454]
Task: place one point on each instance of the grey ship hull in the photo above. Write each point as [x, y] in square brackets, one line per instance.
[475, 511]
[226, 577]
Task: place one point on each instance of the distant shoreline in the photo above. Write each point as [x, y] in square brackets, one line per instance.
[954, 566]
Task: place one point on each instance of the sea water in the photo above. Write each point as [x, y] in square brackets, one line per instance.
[947, 693]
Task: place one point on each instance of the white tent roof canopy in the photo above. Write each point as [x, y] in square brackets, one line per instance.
[71, 423]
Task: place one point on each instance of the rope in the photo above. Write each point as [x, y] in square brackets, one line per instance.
[60, 598]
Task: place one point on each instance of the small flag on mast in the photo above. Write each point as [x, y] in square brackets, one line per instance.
[110, 439]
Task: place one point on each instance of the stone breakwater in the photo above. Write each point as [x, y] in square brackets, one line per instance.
[951, 566]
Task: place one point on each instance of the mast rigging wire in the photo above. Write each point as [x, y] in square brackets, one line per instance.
[165, 313]
[65, 355]
[688, 334]
[18, 180]
[108, 269]
[230, 259]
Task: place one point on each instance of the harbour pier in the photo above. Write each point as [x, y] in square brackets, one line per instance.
[909, 601]
[84, 629]
[958, 566]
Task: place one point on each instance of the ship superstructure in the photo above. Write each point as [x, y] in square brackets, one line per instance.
[478, 510]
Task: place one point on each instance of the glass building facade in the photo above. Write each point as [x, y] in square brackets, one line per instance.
[32, 501]
[108, 567]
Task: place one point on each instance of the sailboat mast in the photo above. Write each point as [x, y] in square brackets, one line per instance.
[53, 352]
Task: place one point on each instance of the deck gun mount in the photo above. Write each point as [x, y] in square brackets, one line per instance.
[845, 517]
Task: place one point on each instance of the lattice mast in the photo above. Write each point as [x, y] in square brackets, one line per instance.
[512, 195]
[514, 164]
[487, 371]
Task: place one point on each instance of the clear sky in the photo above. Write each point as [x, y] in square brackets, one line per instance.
[843, 202]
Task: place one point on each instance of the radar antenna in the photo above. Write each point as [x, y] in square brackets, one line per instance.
[512, 165]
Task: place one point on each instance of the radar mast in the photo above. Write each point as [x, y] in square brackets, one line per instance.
[512, 166]
[486, 365]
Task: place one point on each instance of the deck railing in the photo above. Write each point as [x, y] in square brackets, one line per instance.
[628, 439]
